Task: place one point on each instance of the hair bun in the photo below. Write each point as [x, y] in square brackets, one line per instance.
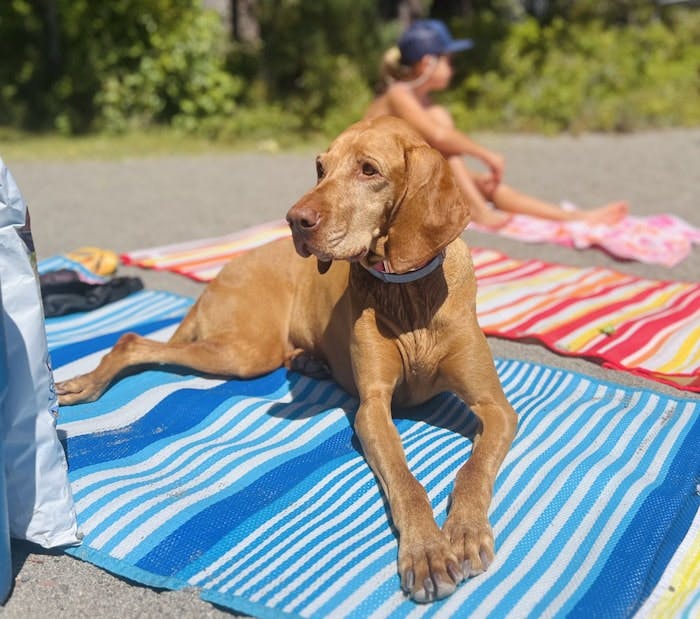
[392, 56]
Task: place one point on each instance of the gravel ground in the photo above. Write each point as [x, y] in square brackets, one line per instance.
[143, 202]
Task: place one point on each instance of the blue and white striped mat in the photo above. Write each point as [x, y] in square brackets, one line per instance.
[55, 263]
[255, 492]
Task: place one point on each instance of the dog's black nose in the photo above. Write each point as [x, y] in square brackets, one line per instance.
[303, 217]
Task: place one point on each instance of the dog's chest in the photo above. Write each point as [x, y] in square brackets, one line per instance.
[419, 351]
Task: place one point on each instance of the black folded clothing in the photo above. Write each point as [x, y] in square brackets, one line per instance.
[62, 292]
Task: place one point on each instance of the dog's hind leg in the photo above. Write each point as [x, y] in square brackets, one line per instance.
[221, 355]
[187, 330]
[305, 363]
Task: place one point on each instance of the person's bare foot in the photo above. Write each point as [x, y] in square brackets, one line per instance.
[492, 218]
[609, 214]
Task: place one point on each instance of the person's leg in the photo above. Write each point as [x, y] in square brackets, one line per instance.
[507, 199]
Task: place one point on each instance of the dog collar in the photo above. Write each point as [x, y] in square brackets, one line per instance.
[382, 272]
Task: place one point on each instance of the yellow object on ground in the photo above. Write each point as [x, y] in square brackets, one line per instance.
[100, 261]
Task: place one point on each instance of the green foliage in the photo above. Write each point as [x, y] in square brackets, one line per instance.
[82, 66]
[586, 77]
[319, 57]
[22, 70]
[79, 64]
[174, 74]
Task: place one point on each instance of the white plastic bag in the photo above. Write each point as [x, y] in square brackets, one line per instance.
[39, 500]
[5, 558]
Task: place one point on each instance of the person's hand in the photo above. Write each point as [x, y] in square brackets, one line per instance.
[495, 164]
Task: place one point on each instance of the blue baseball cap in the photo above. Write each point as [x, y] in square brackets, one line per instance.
[429, 37]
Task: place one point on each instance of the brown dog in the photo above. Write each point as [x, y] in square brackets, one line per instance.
[389, 309]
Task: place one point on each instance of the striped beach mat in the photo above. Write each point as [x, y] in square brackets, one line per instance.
[647, 327]
[255, 492]
[56, 263]
[202, 259]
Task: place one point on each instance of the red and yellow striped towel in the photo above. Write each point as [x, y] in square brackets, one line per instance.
[201, 260]
[647, 327]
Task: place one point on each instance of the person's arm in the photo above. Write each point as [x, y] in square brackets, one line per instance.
[448, 140]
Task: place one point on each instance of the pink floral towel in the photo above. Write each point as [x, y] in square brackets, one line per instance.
[656, 239]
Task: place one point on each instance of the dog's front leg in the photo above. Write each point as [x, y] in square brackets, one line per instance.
[427, 566]
[473, 377]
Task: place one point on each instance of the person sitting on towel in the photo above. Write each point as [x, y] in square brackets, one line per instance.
[420, 65]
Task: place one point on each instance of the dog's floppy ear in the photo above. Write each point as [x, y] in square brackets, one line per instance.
[432, 213]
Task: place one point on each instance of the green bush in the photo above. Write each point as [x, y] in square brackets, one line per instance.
[178, 76]
[26, 63]
[318, 58]
[577, 77]
[80, 65]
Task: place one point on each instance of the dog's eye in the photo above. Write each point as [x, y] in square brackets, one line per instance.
[319, 169]
[369, 170]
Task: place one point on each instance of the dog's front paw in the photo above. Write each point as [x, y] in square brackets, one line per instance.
[471, 539]
[429, 569]
[77, 390]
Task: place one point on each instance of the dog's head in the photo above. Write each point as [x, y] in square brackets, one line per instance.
[382, 194]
